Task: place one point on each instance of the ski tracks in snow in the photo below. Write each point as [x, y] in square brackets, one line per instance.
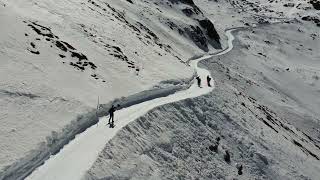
[75, 158]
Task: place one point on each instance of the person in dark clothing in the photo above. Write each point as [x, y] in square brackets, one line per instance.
[111, 113]
[199, 81]
[208, 80]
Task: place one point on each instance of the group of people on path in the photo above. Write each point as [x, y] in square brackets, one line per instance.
[114, 108]
[208, 81]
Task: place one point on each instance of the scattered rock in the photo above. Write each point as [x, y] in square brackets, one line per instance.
[227, 157]
[240, 168]
[35, 52]
[214, 148]
[188, 12]
[61, 46]
[289, 5]
[218, 139]
[262, 158]
[312, 18]
[315, 4]
[33, 45]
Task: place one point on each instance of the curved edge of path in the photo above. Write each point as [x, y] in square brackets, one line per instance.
[75, 158]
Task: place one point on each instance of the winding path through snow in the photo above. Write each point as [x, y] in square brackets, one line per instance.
[77, 157]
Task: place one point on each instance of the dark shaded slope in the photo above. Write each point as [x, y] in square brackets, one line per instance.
[203, 34]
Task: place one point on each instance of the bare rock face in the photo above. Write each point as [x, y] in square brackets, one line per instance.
[190, 2]
[202, 32]
[312, 19]
[197, 36]
[211, 31]
[315, 4]
[289, 5]
[188, 12]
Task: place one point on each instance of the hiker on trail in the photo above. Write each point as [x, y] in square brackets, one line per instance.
[111, 113]
[208, 80]
[199, 81]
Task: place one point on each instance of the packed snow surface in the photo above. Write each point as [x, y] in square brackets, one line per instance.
[78, 156]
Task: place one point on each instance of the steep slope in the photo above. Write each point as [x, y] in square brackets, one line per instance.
[58, 57]
[260, 122]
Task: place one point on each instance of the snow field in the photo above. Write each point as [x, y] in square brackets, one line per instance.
[77, 157]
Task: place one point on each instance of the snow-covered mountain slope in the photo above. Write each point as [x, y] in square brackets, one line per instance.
[262, 112]
[58, 56]
[233, 13]
[70, 163]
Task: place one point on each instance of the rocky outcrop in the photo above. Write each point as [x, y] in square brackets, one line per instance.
[312, 19]
[315, 4]
[203, 32]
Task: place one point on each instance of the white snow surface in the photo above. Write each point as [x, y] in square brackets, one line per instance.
[260, 110]
[75, 159]
[41, 94]
[44, 101]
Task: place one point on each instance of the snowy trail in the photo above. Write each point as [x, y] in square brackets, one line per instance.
[77, 157]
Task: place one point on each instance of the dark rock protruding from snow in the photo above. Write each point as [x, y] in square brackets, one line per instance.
[227, 157]
[82, 61]
[199, 29]
[197, 36]
[211, 32]
[240, 168]
[214, 148]
[312, 18]
[315, 4]
[130, 1]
